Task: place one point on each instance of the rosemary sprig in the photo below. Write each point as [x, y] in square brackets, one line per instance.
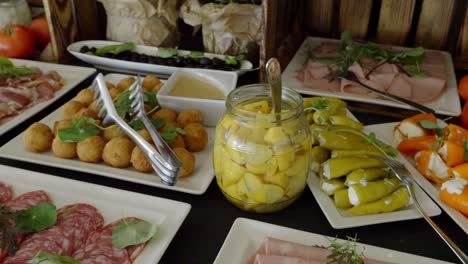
[345, 252]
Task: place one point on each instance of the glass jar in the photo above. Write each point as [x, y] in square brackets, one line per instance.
[261, 159]
[14, 12]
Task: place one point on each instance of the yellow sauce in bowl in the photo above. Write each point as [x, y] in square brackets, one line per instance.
[195, 88]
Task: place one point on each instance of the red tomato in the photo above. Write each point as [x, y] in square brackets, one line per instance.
[40, 27]
[463, 88]
[16, 41]
[464, 116]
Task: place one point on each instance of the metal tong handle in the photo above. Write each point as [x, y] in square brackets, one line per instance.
[352, 77]
[167, 174]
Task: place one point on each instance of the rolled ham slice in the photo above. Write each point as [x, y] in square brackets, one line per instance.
[6, 192]
[274, 259]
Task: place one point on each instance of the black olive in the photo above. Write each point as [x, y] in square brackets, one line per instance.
[84, 49]
[205, 61]
[189, 61]
[179, 61]
[93, 49]
[170, 62]
[160, 61]
[218, 62]
[211, 67]
[235, 66]
[134, 56]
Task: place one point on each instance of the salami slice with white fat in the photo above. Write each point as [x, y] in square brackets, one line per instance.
[6, 193]
[23, 202]
[98, 248]
[74, 224]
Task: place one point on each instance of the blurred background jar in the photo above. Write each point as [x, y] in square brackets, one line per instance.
[261, 159]
[14, 12]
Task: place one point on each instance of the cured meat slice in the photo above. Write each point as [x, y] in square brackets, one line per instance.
[74, 224]
[401, 87]
[274, 259]
[6, 193]
[23, 202]
[98, 248]
[426, 89]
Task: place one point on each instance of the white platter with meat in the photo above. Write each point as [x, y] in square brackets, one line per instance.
[86, 219]
[423, 76]
[22, 97]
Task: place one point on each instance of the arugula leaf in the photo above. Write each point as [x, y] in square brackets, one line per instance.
[166, 53]
[46, 258]
[138, 125]
[197, 54]
[431, 125]
[150, 99]
[345, 39]
[411, 56]
[4, 61]
[7, 68]
[169, 135]
[37, 218]
[416, 71]
[81, 129]
[123, 104]
[115, 49]
[129, 233]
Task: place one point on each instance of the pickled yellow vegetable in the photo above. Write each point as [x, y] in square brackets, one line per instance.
[348, 141]
[277, 136]
[231, 172]
[330, 187]
[279, 179]
[234, 192]
[318, 155]
[338, 153]
[361, 194]
[258, 107]
[341, 199]
[270, 193]
[337, 167]
[398, 199]
[344, 120]
[285, 159]
[362, 176]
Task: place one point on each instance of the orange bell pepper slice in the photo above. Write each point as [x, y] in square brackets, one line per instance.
[460, 171]
[453, 154]
[456, 134]
[411, 146]
[431, 166]
[457, 201]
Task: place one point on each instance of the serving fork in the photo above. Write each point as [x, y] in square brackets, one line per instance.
[162, 159]
[402, 173]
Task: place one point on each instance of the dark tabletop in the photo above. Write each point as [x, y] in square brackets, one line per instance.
[204, 230]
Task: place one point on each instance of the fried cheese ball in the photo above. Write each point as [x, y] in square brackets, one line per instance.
[166, 114]
[125, 83]
[178, 142]
[149, 82]
[114, 92]
[118, 152]
[65, 150]
[157, 87]
[70, 108]
[189, 116]
[90, 149]
[188, 161]
[112, 132]
[110, 85]
[62, 124]
[84, 113]
[195, 137]
[38, 137]
[139, 161]
[93, 107]
[85, 97]
[145, 135]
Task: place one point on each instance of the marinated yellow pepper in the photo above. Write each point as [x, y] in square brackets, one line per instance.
[372, 191]
[398, 199]
[337, 167]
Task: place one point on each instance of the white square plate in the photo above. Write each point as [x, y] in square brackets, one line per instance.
[246, 235]
[112, 203]
[72, 75]
[197, 183]
[447, 103]
[385, 131]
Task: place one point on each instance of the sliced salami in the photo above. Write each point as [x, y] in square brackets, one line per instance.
[6, 193]
[99, 250]
[74, 224]
[23, 202]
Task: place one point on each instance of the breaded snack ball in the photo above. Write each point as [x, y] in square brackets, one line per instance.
[110, 85]
[85, 97]
[38, 137]
[166, 114]
[70, 108]
[93, 107]
[139, 161]
[114, 92]
[195, 137]
[157, 87]
[189, 116]
[178, 142]
[112, 132]
[65, 150]
[62, 124]
[188, 161]
[145, 134]
[167, 125]
[149, 82]
[118, 152]
[125, 83]
[90, 149]
[85, 113]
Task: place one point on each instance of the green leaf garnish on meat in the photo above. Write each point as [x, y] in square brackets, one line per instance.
[7, 68]
[129, 233]
[46, 258]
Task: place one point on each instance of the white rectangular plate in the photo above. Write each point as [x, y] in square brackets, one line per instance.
[134, 67]
[246, 235]
[112, 203]
[72, 75]
[385, 132]
[447, 103]
[197, 183]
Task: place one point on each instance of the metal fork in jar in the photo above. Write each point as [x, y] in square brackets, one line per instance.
[163, 160]
[402, 173]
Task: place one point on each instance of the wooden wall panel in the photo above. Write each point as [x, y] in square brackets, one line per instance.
[395, 21]
[89, 28]
[463, 38]
[354, 16]
[319, 17]
[434, 23]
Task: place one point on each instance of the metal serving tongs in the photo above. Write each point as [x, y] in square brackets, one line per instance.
[163, 160]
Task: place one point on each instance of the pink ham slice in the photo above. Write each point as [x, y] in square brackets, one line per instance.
[426, 89]
[98, 248]
[23, 202]
[6, 192]
[401, 87]
[274, 259]
[74, 224]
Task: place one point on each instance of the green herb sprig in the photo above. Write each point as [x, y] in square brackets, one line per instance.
[7, 68]
[171, 133]
[345, 252]
[81, 129]
[46, 258]
[115, 49]
[427, 124]
[129, 233]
